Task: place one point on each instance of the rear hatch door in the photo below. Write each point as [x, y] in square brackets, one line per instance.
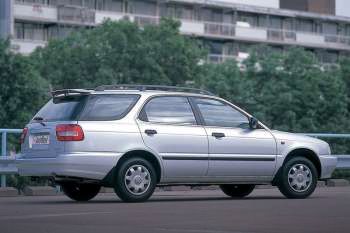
[41, 141]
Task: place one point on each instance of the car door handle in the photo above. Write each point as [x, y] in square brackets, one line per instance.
[150, 131]
[218, 135]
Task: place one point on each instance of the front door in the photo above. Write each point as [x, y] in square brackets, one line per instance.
[169, 127]
[235, 150]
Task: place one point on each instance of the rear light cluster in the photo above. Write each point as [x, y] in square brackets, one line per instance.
[69, 132]
[23, 135]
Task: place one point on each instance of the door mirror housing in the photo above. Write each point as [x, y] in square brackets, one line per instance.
[253, 123]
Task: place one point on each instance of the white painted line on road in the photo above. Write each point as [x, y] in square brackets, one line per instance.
[178, 230]
[49, 215]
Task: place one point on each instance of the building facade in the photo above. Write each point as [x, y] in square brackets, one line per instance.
[228, 27]
[330, 7]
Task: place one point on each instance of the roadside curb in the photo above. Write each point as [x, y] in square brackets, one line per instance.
[337, 183]
[40, 191]
[8, 192]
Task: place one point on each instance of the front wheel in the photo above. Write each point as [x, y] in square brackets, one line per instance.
[237, 190]
[135, 180]
[298, 178]
[79, 191]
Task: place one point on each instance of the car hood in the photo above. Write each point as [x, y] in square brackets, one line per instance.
[295, 137]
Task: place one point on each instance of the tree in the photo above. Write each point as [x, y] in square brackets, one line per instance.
[225, 80]
[345, 73]
[300, 95]
[120, 52]
[22, 90]
[288, 91]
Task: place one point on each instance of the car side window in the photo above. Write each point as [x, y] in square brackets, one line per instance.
[217, 113]
[168, 109]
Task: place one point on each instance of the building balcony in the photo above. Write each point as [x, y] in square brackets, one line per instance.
[76, 15]
[35, 12]
[101, 16]
[26, 46]
[192, 27]
[220, 58]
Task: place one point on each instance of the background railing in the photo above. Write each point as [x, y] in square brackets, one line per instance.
[7, 163]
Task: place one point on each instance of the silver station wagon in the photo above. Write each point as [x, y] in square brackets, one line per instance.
[136, 137]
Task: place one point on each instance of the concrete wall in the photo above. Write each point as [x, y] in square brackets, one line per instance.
[299, 5]
[342, 8]
[5, 18]
[262, 3]
[322, 6]
[316, 6]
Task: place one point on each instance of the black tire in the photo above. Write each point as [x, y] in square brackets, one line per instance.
[124, 188]
[237, 190]
[80, 192]
[285, 183]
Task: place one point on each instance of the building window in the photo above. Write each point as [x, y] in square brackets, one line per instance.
[262, 21]
[211, 15]
[305, 25]
[228, 17]
[330, 28]
[245, 47]
[250, 18]
[177, 11]
[107, 5]
[215, 47]
[230, 49]
[29, 31]
[34, 1]
[330, 57]
[143, 7]
[275, 22]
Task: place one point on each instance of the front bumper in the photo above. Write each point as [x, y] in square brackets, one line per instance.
[83, 165]
[328, 165]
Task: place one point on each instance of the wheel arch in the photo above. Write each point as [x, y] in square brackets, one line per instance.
[300, 152]
[140, 153]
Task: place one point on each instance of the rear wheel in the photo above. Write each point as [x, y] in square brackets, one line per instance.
[237, 190]
[298, 178]
[80, 192]
[135, 180]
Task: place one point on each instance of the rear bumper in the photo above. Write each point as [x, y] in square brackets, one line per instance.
[328, 165]
[84, 165]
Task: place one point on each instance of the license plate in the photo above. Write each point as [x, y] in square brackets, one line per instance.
[42, 139]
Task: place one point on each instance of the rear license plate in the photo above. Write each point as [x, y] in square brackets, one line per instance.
[42, 139]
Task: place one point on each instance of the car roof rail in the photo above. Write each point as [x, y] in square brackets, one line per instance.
[140, 87]
[69, 92]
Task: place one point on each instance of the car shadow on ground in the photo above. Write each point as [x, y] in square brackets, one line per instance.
[164, 199]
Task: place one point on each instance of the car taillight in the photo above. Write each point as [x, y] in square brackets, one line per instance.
[23, 135]
[69, 132]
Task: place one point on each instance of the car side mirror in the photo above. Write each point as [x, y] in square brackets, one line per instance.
[253, 123]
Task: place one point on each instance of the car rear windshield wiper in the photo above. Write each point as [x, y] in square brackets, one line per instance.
[38, 118]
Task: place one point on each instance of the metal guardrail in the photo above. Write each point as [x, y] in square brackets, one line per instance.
[327, 135]
[7, 163]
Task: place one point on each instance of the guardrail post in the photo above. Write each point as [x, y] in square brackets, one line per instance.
[3, 153]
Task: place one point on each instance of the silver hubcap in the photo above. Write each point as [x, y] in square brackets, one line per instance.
[300, 177]
[137, 179]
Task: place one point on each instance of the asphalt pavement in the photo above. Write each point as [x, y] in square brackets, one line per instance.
[205, 211]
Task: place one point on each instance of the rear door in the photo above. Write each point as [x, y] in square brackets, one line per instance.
[41, 137]
[169, 127]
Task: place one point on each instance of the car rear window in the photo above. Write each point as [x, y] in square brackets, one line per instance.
[107, 107]
[62, 109]
[88, 108]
